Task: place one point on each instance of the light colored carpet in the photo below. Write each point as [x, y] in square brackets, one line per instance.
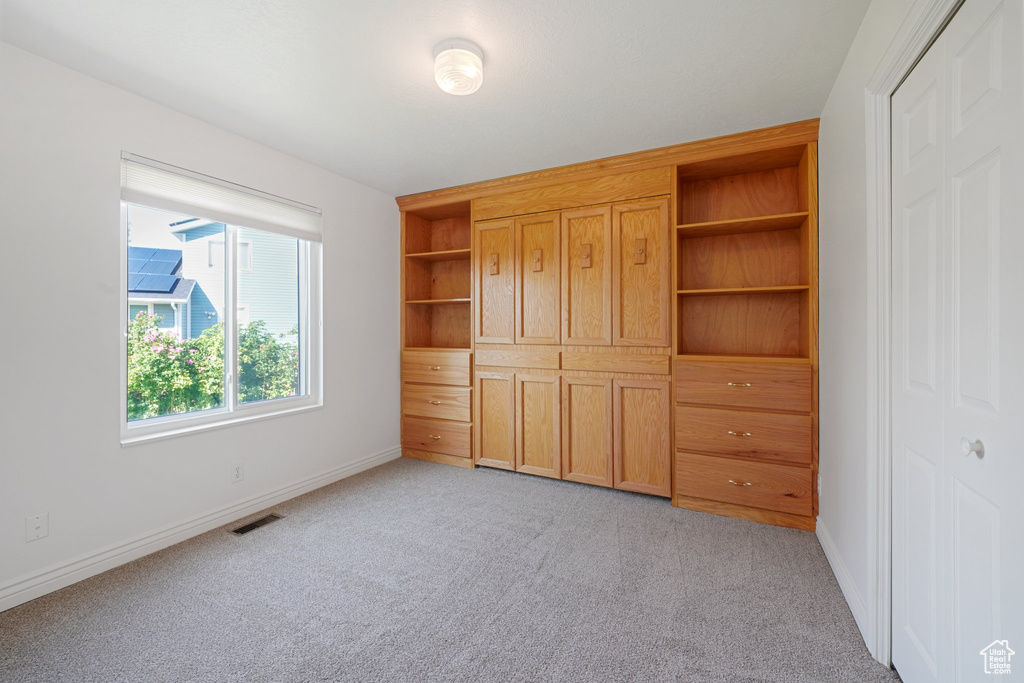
[415, 572]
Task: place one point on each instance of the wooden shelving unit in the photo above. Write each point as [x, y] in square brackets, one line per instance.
[746, 335]
[436, 278]
[743, 270]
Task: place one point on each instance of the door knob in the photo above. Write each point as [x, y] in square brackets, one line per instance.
[967, 446]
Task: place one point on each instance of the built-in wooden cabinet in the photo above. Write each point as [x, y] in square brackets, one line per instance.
[587, 424]
[643, 439]
[437, 335]
[646, 323]
[641, 274]
[538, 424]
[587, 276]
[494, 301]
[746, 343]
[496, 419]
[538, 313]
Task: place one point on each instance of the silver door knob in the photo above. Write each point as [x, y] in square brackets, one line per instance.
[967, 446]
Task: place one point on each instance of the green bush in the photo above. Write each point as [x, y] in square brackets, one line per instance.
[167, 374]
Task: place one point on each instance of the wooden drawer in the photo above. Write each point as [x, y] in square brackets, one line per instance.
[445, 403]
[437, 436]
[772, 436]
[436, 367]
[769, 386]
[754, 484]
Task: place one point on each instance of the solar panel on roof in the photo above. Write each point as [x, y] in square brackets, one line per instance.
[136, 265]
[134, 280]
[166, 255]
[158, 268]
[158, 283]
[140, 252]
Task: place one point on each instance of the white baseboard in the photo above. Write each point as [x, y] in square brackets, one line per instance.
[853, 598]
[31, 586]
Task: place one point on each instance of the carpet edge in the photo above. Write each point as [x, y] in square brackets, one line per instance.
[27, 587]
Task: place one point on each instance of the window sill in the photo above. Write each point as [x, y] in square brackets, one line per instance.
[133, 436]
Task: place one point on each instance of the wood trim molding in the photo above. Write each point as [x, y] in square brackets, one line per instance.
[797, 133]
[921, 26]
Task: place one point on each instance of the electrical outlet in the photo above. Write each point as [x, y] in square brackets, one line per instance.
[37, 526]
[237, 473]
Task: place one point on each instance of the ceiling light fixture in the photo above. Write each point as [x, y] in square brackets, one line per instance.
[458, 66]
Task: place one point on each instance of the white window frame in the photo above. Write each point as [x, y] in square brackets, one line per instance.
[310, 396]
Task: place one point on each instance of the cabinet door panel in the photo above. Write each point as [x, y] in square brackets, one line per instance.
[587, 430]
[495, 266]
[495, 419]
[643, 447]
[538, 444]
[587, 276]
[538, 306]
[641, 274]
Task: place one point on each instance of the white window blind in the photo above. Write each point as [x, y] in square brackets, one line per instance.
[162, 186]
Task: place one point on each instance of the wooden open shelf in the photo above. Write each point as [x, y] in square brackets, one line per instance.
[767, 183]
[441, 325]
[749, 323]
[742, 290]
[439, 301]
[437, 280]
[444, 255]
[784, 221]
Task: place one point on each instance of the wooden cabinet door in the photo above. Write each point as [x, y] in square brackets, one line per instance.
[538, 443]
[538, 306]
[642, 436]
[641, 274]
[493, 281]
[587, 276]
[495, 420]
[587, 430]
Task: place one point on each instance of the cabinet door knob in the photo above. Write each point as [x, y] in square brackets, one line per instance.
[435, 437]
[732, 433]
[435, 367]
[736, 483]
[435, 403]
[739, 384]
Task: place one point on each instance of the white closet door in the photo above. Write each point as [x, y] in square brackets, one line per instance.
[958, 348]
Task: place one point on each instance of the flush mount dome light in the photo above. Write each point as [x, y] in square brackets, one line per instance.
[458, 66]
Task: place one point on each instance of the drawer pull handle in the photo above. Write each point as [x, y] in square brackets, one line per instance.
[736, 483]
[742, 434]
[435, 403]
[435, 367]
[740, 385]
[435, 437]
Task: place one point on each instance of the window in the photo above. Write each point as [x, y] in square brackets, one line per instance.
[221, 302]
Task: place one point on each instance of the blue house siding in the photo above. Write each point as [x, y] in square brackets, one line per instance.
[267, 287]
[200, 305]
[271, 288]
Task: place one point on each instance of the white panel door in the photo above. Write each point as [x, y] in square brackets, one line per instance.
[958, 349]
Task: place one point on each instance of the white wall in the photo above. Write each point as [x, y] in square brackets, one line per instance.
[844, 400]
[61, 135]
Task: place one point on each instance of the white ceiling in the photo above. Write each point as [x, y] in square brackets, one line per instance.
[348, 85]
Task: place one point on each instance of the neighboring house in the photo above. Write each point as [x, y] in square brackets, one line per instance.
[268, 275]
[156, 286]
[186, 287]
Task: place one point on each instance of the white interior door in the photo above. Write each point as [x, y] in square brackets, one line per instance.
[958, 349]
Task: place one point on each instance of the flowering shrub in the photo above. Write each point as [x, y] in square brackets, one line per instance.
[267, 366]
[168, 375]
